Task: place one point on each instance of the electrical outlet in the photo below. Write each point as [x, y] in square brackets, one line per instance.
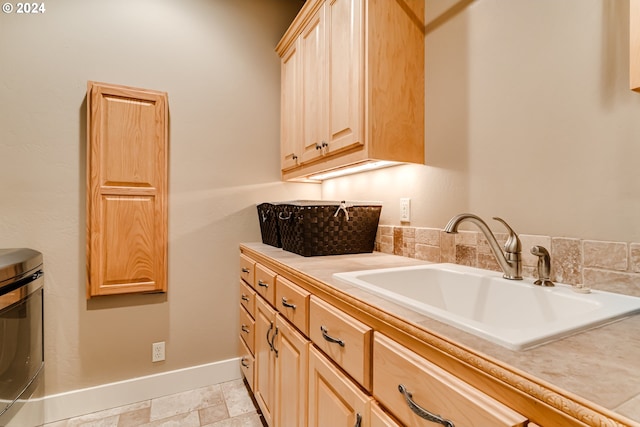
[157, 351]
[405, 209]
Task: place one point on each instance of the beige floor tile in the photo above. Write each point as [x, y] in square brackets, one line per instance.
[189, 419]
[188, 401]
[237, 398]
[247, 420]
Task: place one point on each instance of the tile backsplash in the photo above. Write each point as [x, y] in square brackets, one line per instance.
[608, 266]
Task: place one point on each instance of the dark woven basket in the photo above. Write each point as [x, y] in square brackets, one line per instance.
[324, 229]
[268, 217]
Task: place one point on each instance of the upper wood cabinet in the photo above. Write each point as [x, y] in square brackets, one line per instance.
[352, 85]
[127, 138]
[634, 44]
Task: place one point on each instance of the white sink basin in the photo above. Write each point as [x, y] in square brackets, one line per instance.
[512, 313]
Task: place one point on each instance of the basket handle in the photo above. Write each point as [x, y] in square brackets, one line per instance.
[283, 218]
[343, 207]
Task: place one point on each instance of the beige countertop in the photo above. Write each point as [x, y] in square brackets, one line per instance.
[600, 367]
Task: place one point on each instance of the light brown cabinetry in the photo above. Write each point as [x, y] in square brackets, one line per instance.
[379, 418]
[334, 400]
[291, 381]
[278, 360]
[410, 387]
[127, 136]
[352, 85]
[344, 373]
[634, 44]
[344, 339]
[265, 365]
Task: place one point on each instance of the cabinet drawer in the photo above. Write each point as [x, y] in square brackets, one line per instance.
[344, 339]
[248, 299]
[247, 362]
[247, 329]
[293, 303]
[433, 389]
[247, 268]
[265, 283]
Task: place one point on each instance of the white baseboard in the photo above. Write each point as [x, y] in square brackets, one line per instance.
[85, 401]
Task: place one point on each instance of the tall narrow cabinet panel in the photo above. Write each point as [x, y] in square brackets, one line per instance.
[127, 137]
[634, 44]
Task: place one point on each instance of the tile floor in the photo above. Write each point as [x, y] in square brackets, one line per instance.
[221, 405]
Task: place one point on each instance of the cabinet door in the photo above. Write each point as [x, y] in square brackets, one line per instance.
[292, 362]
[346, 74]
[290, 108]
[409, 385]
[312, 46]
[379, 418]
[334, 400]
[126, 190]
[265, 359]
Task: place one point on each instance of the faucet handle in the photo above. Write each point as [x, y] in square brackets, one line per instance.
[513, 244]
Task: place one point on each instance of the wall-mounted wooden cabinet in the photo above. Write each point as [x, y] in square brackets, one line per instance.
[634, 44]
[127, 138]
[352, 85]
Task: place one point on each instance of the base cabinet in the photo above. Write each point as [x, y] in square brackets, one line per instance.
[292, 360]
[414, 390]
[379, 418]
[302, 365]
[265, 364]
[334, 400]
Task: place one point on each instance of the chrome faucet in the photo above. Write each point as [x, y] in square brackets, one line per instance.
[511, 260]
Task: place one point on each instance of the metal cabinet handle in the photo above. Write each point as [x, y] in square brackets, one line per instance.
[329, 338]
[288, 304]
[245, 270]
[273, 343]
[269, 330]
[245, 329]
[244, 363]
[358, 420]
[245, 298]
[294, 157]
[422, 413]
[263, 284]
[318, 146]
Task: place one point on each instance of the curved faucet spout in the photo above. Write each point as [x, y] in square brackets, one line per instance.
[511, 260]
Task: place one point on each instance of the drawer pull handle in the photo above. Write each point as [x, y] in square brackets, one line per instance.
[358, 420]
[244, 363]
[245, 298]
[245, 329]
[273, 344]
[245, 270]
[288, 304]
[263, 284]
[422, 413]
[326, 336]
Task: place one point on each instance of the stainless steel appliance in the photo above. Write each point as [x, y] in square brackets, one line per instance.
[21, 324]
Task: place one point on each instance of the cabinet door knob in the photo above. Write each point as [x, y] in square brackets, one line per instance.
[245, 329]
[358, 420]
[245, 270]
[245, 298]
[263, 284]
[327, 337]
[244, 362]
[421, 412]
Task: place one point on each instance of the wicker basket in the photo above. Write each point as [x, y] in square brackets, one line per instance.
[311, 228]
[268, 216]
